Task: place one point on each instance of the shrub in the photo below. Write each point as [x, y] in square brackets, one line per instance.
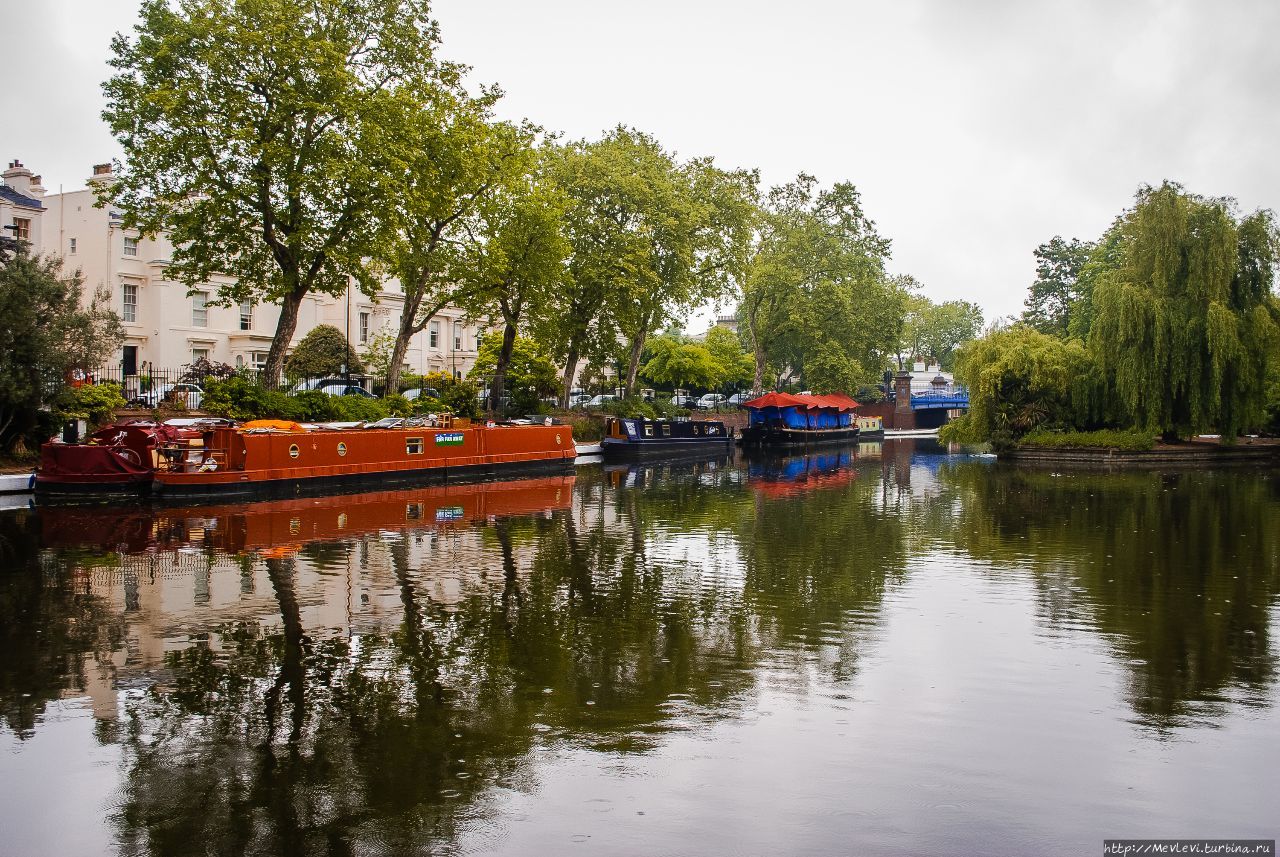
[428, 405]
[1131, 441]
[96, 404]
[323, 351]
[357, 408]
[397, 405]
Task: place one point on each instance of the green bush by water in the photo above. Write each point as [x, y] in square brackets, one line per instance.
[1129, 441]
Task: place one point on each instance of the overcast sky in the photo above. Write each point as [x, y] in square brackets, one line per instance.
[974, 130]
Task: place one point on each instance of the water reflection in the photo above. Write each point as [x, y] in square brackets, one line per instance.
[374, 673]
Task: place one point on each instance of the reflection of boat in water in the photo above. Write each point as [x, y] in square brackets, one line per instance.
[629, 439]
[283, 525]
[870, 428]
[791, 476]
[781, 419]
[272, 458]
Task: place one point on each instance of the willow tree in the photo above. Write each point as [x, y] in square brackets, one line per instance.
[251, 137]
[1184, 325]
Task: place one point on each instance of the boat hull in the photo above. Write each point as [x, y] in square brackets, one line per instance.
[276, 465]
[779, 436]
[168, 489]
[637, 450]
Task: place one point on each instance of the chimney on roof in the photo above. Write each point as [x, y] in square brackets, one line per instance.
[18, 177]
[102, 173]
[37, 189]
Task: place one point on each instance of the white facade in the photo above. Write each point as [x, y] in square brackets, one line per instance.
[21, 205]
[167, 328]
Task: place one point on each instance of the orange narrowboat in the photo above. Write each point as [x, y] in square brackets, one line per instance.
[272, 459]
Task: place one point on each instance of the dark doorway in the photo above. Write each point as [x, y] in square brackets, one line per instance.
[129, 360]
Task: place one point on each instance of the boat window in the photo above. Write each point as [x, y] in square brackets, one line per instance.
[666, 429]
[712, 428]
[648, 430]
[413, 445]
[293, 450]
[342, 449]
[697, 429]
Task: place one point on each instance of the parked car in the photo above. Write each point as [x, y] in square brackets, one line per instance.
[317, 383]
[684, 401]
[188, 394]
[421, 392]
[600, 401]
[347, 390]
[579, 400]
[737, 399]
[711, 401]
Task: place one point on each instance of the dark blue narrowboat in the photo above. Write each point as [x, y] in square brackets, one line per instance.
[628, 438]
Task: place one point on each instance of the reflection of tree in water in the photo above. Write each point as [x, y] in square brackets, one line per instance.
[1178, 570]
[396, 740]
[49, 623]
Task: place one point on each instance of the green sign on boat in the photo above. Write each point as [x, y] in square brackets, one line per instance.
[453, 438]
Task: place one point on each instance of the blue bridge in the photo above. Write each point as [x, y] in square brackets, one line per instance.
[950, 397]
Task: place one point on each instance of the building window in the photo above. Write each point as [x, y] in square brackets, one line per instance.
[364, 328]
[259, 359]
[246, 315]
[435, 335]
[22, 229]
[129, 302]
[200, 309]
[457, 336]
[71, 250]
[130, 246]
[198, 354]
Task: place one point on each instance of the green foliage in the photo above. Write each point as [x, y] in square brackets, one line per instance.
[1055, 292]
[660, 408]
[932, 332]
[677, 363]
[1020, 379]
[530, 374]
[587, 428]
[734, 365]
[815, 283]
[256, 135]
[1185, 323]
[322, 352]
[650, 238]
[239, 398]
[45, 334]
[1132, 440]
[458, 397]
[378, 353]
[94, 403]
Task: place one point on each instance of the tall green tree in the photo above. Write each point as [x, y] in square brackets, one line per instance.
[448, 160]
[651, 237]
[1185, 324]
[46, 332]
[815, 285]
[518, 270]
[530, 374]
[252, 134]
[1055, 292]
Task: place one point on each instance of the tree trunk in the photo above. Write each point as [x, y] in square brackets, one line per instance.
[499, 383]
[403, 335]
[570, 369]
[757, 383]
[633, 362]
[289, 305]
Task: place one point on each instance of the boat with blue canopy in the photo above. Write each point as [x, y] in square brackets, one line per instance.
[784, 419]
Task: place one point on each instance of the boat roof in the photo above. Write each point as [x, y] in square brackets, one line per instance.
[833, 401]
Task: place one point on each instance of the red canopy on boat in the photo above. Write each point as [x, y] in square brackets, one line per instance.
[835, 401]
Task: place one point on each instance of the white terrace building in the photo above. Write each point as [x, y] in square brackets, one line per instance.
[165, 327]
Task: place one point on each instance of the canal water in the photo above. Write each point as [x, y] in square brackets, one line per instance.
[887, 649]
